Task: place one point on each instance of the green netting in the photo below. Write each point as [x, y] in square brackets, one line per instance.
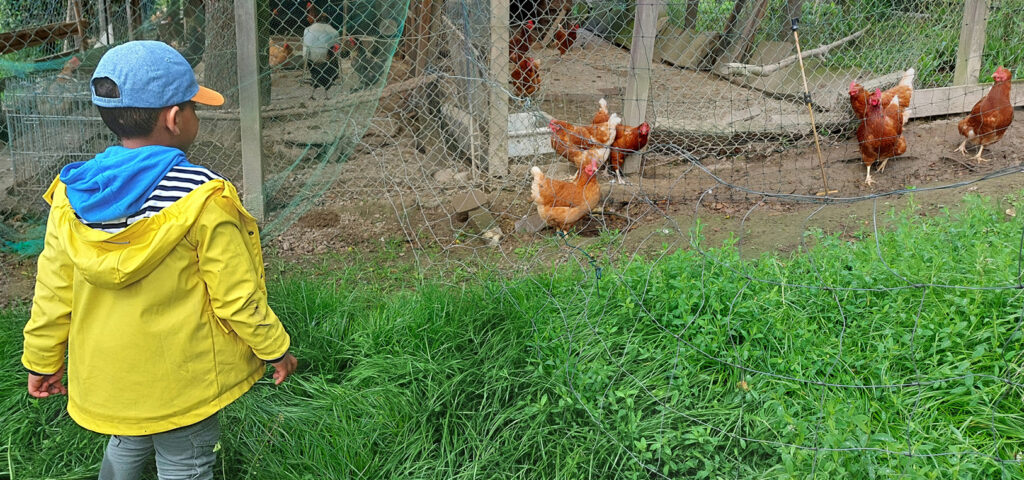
[49, 122]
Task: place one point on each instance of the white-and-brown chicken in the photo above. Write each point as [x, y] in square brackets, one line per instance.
[570, 140]
[627, 140]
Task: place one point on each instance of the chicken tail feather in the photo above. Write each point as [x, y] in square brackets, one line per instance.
[535, 187]
[908, 77]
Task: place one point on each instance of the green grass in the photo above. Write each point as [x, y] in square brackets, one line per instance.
[556, 376]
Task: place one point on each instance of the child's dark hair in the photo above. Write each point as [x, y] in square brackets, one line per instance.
[126, 122]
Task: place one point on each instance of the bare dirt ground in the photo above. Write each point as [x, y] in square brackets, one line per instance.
[663, 204]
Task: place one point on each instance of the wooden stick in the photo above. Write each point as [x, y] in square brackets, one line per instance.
[764, 70]
[810, 109]
[739, 51]
[30, 37]
[358, 97]
[552, 27]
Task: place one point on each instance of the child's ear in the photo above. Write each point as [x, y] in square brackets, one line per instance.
[171, 117]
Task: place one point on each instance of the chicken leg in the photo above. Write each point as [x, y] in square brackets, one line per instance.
[867, 180]
[881, 167]
[977, 157]
[962, 148]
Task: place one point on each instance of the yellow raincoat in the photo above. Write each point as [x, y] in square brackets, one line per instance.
[164, 323]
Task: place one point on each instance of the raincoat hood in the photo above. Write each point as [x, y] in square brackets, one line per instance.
[115, 183]
[116, 260]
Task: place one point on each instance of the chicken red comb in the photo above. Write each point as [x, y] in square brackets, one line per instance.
[351, 41]
[876, 97]
[644, 128]
[335, 47]
[529, 24]
[553, 125]
[853, 88]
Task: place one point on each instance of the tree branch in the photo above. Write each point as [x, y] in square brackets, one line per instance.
[736, 69]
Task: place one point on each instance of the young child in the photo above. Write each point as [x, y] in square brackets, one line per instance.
[151, 279]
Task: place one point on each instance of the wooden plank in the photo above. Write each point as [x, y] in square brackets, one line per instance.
[423, 29]
[690, 14]
[972, 42]
[727, 34]
[82, 24]
[956, 99]
[683, 48]
[552, 28]
[407, 45]
[131, 8]
[497, 125]
[638, 83]
[74, 14]
[30, 37]
[742, 45]
[249, 108]
[106, 36]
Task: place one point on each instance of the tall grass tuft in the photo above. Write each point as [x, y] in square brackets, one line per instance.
[863, 356]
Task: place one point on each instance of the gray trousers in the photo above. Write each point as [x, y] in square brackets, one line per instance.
[182, 453]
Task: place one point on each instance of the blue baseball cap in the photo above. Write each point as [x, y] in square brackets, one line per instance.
[150, 74]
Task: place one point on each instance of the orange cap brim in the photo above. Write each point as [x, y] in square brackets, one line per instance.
[209, 97]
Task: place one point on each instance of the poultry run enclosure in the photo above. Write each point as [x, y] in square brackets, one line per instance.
[428, 133]
[718, 81]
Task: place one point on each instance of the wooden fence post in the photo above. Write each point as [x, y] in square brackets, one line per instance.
[972, 42]
[497, 125]
[638, 82]
[249, 107]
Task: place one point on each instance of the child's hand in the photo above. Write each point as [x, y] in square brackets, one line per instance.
[284, 367]
[42, 386]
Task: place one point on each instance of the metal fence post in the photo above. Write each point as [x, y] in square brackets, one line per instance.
[249, 108]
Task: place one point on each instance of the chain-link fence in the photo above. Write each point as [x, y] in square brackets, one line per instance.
[314, 108]
[719, 82]
[417, 124]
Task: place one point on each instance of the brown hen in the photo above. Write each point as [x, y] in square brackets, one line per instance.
[990, 117]
[880, 133]
[561, 203]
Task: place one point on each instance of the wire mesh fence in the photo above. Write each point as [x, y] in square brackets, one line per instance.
[419, 124]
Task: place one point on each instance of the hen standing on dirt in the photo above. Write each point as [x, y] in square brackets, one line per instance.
[880, 134]
[990, 117]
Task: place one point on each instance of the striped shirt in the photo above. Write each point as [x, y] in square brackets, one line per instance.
[176, 184]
